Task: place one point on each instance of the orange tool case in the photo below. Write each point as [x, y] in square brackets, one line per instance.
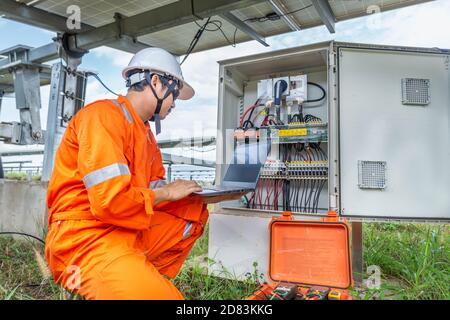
[311, 258]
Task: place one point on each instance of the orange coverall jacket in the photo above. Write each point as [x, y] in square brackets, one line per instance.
[106, 238]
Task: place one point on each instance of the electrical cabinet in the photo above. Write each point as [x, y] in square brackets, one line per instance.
[363, 130]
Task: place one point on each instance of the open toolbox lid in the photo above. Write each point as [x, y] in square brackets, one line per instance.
[310, 252]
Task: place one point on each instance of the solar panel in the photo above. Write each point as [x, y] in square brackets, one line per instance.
[176, 39]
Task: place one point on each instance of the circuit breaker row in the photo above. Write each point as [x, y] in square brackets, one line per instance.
[297, 169]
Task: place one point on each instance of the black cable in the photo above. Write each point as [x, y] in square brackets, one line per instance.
[310, 117]
[304, 187]
[195, 40]
[274, 16]
[89, 73]
[324, 93]
[246, 123]
[318, 196]
[313, 184]
[322, 152]
[204, 27]
[218, 24]
[23, 234]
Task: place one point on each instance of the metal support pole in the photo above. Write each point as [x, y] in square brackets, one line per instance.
[169, 173]
[28, 102]
[357, 253]
[67, 92]
[1, 100]
[2, 173]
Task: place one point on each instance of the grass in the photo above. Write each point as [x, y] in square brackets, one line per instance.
[22, 176]
[414, 259]
[20, 275]
[194, 282]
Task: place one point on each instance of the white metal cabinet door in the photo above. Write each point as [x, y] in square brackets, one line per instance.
[412, 141]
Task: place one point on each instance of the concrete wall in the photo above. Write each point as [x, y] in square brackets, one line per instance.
[23, 206]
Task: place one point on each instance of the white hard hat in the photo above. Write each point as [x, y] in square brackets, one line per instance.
[159, 61]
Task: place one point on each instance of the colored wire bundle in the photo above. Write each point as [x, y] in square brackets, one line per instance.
[300, 186]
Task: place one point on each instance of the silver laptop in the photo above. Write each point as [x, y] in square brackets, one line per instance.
[241, 175]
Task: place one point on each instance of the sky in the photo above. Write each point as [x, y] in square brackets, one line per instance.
[424, 25]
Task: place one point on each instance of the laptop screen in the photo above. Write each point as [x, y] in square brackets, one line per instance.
[246, 163]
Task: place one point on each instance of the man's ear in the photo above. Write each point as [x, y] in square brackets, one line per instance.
[155, 80]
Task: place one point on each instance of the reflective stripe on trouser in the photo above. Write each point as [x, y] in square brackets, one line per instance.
[125, 264]
[187, 230]
[105, 173]
[166, 229]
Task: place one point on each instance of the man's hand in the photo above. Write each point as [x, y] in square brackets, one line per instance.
[176, 190]
[223, 197]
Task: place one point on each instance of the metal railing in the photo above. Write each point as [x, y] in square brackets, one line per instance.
[203, 174]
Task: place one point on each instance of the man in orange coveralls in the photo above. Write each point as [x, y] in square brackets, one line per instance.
[112, 233]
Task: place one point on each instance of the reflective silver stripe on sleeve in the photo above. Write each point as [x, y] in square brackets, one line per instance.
[105, 173]
[187, 229]
[124, 110]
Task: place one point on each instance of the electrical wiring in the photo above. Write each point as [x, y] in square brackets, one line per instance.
[270, 196]
[253, 106]
[322, 184]
[298, 117]
[280, 190]
[301, 190]
[272, 193]
[275, 16]
[90, 73]
[202, 28]
[258, 195]
[304, 195]
[309, 118]
[292, 191]
[258, 114]
[202, 151]
[311, 191]
[218, 25]
[22, 234]
[195, 40]
[324, 93]
[251, 201]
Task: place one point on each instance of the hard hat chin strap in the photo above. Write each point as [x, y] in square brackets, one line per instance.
[156, 117]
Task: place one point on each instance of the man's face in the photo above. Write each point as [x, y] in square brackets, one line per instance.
[160, 89]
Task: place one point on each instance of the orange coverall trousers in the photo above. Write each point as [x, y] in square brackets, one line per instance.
[106, 238]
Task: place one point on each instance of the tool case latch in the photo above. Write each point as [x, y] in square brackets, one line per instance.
[332, 216]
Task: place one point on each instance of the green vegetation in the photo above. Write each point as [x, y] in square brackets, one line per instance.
[194, 282]
[414, 259]
[22, 176]
[20, 275]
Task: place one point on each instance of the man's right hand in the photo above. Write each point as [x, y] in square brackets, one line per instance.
[176, 190]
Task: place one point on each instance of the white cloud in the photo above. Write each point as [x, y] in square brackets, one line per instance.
[118, 58]
[424, 27]
[95, 91]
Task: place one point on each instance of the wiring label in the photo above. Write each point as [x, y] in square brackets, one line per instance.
[293, 132]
